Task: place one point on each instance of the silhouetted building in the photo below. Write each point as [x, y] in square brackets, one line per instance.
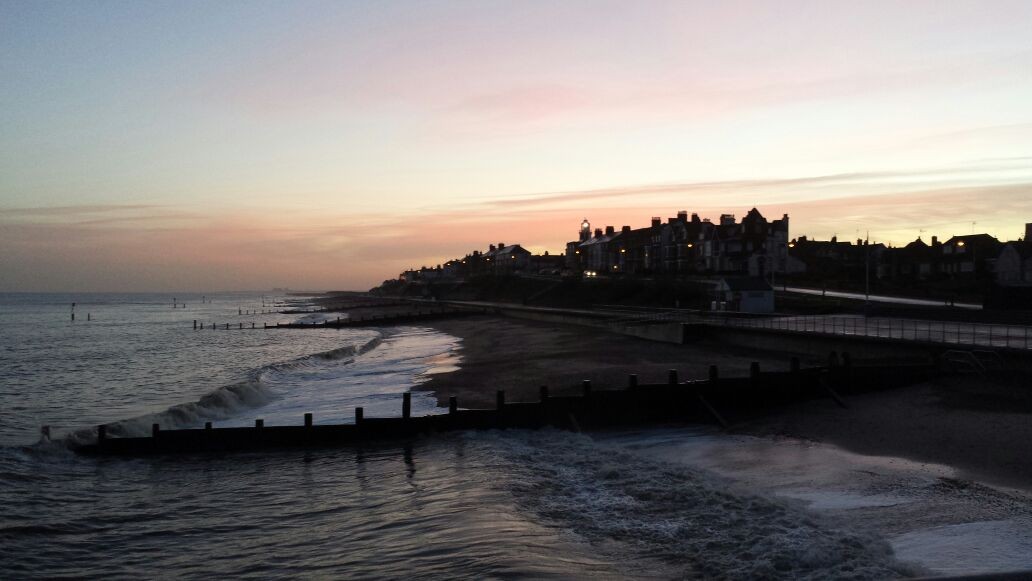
[915, 261]
[970, 256]
[684, 246]
[507, 259]
[1014, 264]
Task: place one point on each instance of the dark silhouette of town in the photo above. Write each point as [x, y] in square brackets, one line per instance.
[756, 255]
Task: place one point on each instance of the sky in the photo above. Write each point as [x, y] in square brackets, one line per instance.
[152, 146]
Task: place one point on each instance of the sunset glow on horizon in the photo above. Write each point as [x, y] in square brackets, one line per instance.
[329, 145]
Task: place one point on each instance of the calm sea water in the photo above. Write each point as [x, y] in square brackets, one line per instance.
[661, 503]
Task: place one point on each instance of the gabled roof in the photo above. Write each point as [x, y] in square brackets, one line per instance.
[511, 249]
[596, 240]
[974, 239]
[753, 214]
[916, 244]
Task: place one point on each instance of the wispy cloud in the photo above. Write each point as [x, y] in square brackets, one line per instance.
[783, 190]
[95, 215]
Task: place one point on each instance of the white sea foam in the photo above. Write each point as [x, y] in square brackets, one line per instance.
[970, 548]
[647, 510]
[925, 512]
[329, 384]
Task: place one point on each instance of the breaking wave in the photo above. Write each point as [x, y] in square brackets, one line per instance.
[226, 401]
[662, 514]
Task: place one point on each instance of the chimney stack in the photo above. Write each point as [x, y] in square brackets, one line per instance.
[610, 230]
[491, 248]
[935, 240]
[656, 222]
[1028, 232]
[695, 218]
[682, 216]
[598, 232]
[625, 229]
[501, 245]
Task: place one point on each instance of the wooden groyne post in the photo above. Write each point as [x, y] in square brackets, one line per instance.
[636, 404]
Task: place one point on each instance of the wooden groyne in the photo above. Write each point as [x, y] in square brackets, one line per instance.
[371, 320]
[343, 322]
[716, 399]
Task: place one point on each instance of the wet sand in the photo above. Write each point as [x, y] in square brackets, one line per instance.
[979, 426]
[519, 356]
[983, 427]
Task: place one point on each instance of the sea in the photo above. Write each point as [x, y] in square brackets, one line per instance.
[676, 501]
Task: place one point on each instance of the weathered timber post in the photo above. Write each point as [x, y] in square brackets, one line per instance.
[259, 424]
[632, 381]
[240, 326]
[543, 393]
[359, 416]
[252, 324]
[586, 386]
[453, 405]
[89, 316]
[195, 324]
[672, 376]
[406, 405]
[227, 326]
[239, 312]
[207, 425]
[500, 399]
[308, 420]
[44, 433]
[101, 434]
[155, 429]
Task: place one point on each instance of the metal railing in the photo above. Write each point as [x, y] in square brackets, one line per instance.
[946, 332]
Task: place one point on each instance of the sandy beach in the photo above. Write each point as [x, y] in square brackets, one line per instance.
[519, 356]
[979, 426]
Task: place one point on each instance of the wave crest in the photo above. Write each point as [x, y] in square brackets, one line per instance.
[223, 403]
